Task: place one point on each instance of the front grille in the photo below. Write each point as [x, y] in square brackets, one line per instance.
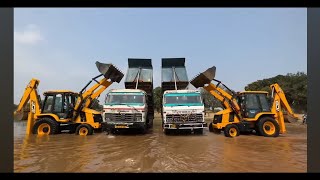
[122, 117]
[184, 117]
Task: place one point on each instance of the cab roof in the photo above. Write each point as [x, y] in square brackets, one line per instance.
[182, 91]
[253, 92]
[127, 90]
[59, 91]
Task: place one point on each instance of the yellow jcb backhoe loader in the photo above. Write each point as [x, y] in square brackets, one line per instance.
[67, 110]
[245, 111]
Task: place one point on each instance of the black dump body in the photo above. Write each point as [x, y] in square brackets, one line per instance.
[141, 70]
[171, 67]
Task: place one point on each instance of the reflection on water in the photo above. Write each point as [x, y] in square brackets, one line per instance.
[156, 152]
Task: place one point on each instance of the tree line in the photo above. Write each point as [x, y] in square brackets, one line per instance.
[293, 84]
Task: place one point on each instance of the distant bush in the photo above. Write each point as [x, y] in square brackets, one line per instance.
[293, 85]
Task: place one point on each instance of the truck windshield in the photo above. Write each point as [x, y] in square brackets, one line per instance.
[182, 99]
[125, 98]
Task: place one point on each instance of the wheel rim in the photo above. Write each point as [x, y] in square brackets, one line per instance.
[83, 131]
[233, 132]
[269, 128]
[44, 129]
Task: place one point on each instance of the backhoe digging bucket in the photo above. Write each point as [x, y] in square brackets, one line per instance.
[204, 78]
[290, 119]
[109, 71]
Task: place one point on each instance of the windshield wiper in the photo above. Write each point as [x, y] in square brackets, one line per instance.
[129, 106]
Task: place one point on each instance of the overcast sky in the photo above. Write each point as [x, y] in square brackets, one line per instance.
[60, 46]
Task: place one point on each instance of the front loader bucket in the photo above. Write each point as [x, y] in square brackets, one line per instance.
[204, 78]
[109, 71]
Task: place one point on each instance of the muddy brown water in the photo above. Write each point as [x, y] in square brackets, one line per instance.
[156, 152]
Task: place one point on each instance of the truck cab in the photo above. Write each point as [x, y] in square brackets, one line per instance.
[124, 109]
[183, 109]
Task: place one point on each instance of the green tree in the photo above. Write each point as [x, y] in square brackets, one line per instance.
[157, 98]
[209, 100]
[293, 85]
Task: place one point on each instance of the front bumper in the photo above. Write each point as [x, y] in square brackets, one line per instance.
[185, 125]
[123, 125]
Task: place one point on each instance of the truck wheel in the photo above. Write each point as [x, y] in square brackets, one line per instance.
[268, 127]
[46, 126]
[210, 127]
[84, 130]
[231, 130]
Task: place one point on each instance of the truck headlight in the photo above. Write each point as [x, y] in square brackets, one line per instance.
[139, 118]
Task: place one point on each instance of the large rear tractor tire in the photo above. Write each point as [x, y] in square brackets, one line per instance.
[46, 126]
[210, 127]
[268, 127]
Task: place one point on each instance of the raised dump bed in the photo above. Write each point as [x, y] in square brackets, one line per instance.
[174, 74]
[140, 76]
[182, 109]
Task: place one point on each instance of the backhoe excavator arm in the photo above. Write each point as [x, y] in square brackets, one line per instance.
[89, 95]
[204, 80]
[279, 102]
[227, 99]
[110, 73]
[30, 94]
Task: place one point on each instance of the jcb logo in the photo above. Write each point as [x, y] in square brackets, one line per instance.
[33, 107]
[277, 106]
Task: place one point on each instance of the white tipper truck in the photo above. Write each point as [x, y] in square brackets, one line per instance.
[126, 108]
[132, 107]
[181, 108]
